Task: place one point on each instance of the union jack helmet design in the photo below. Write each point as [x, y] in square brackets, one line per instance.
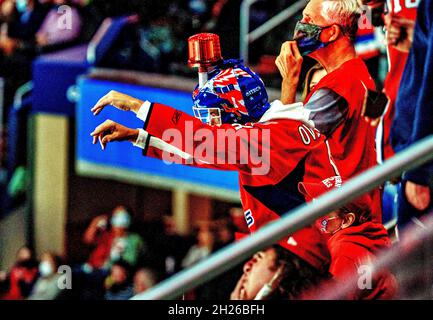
[232, 94]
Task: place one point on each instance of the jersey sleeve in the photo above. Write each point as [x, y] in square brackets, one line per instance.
[269, 149]
[327, 110]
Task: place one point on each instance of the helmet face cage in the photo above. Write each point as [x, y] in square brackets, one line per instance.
[210, 116]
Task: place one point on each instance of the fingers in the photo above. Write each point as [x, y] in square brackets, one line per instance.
[296, 51]
[106, 125]
[280, 65]
[243, 294]
[393, 35]
[288, 48]
[101, 143]
[289, 61]
[100, 133]
[417, 195]
[402, 22]
[100, 105]
[239, 292]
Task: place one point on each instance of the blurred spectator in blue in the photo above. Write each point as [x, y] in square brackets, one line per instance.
[23, 275]
[25, 20]
[414, 115]
[113, 244]
[118, 284]
[61, 25]
[47, 286]
[144, 279]
[18, 44]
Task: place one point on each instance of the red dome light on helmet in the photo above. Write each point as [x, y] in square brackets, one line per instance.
[204, 51]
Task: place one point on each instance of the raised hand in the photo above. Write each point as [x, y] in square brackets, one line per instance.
[119, 100]
[110, 131]
[417, 195]
[399, 32]
[289, 63]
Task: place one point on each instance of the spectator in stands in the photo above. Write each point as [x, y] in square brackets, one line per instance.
[25, 22]
[47, 286]
[336, 104]
[203, 248]
[224, 233]
[399, 24]
[144, 279]
[18, 45]
[118, 284]
[23, 275]
[113, 244]
[354, 241]
[276, 273]
[6, 10]
[237, 218]
[414, 115]
[61, 25]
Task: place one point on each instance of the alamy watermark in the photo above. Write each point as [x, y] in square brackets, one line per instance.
[65, 17]
[64, 282]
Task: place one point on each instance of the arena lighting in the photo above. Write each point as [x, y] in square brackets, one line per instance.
[222, 261]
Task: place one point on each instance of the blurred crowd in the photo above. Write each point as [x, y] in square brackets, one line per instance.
[122, 263]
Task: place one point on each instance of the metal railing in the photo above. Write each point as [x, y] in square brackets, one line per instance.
[414, 156]
[246, 37]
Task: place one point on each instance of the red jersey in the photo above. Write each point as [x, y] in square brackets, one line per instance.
[353, 247]
[335, 105]
[101, 254]
[269, 188]
[396, 63]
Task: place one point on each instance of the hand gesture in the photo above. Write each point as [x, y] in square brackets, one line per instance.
[110, 131]
[119, 100]
[417, 195]
[99, 221]
[289, 63]
[399, 32]
[239, 291]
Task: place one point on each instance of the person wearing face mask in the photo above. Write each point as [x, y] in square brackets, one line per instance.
[354, 241]
[339, 102]
[115, 243]
[47, 288]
